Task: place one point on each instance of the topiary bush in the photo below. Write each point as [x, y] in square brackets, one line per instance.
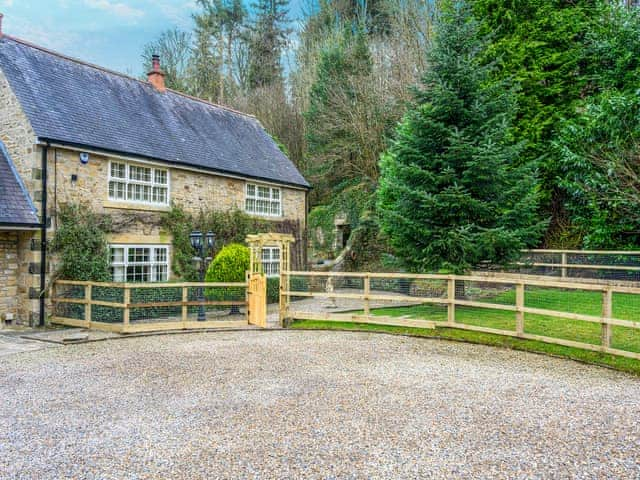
[230, 265]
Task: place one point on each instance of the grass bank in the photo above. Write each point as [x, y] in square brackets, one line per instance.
[624, 364]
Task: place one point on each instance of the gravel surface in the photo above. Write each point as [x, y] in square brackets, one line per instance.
[287, 404]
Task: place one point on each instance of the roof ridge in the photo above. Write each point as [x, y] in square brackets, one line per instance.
[120, 74]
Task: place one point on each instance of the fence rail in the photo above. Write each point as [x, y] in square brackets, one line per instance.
[621, 265]
[603, 318]
[131, 308]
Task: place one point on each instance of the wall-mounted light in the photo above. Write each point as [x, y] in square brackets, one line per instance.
[84, 158]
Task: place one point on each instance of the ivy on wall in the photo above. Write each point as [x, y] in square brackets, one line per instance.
[352, 202]
[229, 227]
[80, 243]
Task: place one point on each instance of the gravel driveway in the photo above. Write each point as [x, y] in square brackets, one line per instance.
[286, 404]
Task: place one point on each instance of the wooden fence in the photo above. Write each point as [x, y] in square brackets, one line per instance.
[595, 317]
[132, 308]
[604, 264]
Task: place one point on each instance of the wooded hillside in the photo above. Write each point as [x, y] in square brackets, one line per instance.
[546, 127]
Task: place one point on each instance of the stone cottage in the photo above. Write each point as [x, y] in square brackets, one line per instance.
[71, 132]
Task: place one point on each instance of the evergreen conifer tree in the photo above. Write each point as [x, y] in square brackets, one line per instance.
[452, 192]
[267, 41]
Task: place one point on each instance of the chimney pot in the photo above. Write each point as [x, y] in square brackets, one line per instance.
[156, 75]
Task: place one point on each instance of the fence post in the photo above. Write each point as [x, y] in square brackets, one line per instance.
[87, 306]
[54, 300]
[563, 262]
[519, 309]
[127, 302]
[451, 297]
[607, 311]
[284, 299]
[185, 308]
[367, 292]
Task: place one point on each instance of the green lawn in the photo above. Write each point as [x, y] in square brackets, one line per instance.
[619, 363]
[625, 307]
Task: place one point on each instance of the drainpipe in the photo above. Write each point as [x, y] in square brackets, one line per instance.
[43, 237]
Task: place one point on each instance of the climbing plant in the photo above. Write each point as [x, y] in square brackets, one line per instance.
[81, 245]
[229, 227]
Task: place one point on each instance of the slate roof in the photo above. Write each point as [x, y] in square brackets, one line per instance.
[72, 102]
[16, 209]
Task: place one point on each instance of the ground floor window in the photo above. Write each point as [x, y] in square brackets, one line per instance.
[139, 263]
[271, 261]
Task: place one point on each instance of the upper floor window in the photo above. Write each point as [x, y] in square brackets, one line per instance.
[271, 261]
[138, 183]
[139, 263]
[263, 200]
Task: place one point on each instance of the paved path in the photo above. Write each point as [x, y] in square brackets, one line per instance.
[287, 404]
[11, 343]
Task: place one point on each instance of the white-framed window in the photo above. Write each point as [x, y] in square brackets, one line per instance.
[271, 261]
[139, 263]
[263, 200]
[138, 183]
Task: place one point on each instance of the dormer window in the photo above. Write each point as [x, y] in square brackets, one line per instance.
[138, 183]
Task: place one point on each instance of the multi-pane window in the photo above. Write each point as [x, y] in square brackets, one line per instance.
[271, 261]
[139, 263]
[263, 200]
[138, 183]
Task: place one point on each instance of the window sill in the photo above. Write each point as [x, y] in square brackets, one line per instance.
[265, 217]
[136, 206]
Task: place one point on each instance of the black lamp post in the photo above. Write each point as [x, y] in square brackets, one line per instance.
[201, 245]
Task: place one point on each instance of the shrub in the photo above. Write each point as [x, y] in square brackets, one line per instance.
[230, 265]
[273, 290]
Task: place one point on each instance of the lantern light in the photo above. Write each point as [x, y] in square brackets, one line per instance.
[211, 239]
[196, 239]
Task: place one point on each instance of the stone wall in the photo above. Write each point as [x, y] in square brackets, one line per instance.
[19, 139]
[192, 190]
[8, 276]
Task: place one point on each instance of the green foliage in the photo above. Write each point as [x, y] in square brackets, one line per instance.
[229, 227]
[81, 245]
[450, 193]
[561, 53]
[273, 290]
[267, 41]
[540, 44]
[352, 201]
[598, 154]
[369, 247]
[230, 264]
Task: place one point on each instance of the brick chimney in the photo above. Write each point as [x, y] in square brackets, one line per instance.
[156, 76]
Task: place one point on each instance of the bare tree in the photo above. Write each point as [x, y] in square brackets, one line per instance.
[174, 48]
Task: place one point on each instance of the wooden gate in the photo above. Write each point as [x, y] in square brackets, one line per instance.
[257, 293]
